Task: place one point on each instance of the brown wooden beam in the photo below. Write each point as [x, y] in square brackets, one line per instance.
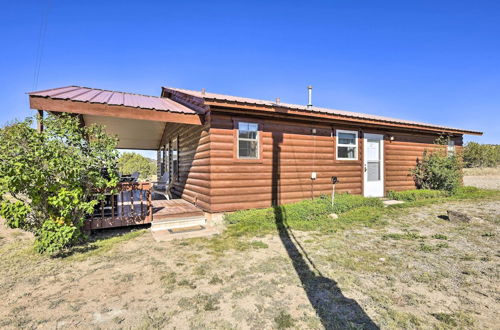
[40, 121]
[47, 104]
[163, 136]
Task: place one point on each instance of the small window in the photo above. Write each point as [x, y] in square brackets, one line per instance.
[347, 145]
[451, 148]
[248, 140]
[174, 158]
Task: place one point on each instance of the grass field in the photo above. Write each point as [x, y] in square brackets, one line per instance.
[408, 268]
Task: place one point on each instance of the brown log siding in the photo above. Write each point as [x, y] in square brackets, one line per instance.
[290, 152]
[402, 154]
[212, 177]
[193, 183]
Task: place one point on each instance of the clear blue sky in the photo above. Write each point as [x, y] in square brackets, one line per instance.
[431, 61]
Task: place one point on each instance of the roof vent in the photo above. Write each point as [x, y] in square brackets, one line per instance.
[278, 100]
[310, 96]
[203, 91]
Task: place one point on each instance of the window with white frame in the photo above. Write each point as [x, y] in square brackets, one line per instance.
[451, 148]
[248, 140]
[347, 145]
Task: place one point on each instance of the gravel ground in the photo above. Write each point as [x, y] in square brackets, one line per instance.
[486, 178]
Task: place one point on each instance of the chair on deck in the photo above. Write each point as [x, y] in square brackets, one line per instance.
[164, 186]
[134, 177]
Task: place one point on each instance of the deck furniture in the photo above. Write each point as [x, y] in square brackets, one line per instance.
[164, 186]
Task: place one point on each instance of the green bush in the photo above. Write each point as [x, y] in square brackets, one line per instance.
[50, 180]
[416, 194]
[438, 171]
[303, 215]
[54, 236]
[481, 155]
[130, 162]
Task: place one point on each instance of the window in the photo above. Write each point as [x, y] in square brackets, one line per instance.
[451, 148]
[347, 145]
[248, 140]
[174, 158]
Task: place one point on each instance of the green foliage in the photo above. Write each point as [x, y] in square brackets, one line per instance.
[438, 171]
[481, 155]
[305, 215]
[284, 320]
[406, 236]
[416, 194]
[366, 215]
[47, 178]
[440, 236]
[473, 193]
[53, 236]
[130, 162]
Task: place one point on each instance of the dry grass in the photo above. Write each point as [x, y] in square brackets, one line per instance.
[482, 177]
[417, 271]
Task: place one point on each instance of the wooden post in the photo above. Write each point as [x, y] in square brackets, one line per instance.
[40, 120]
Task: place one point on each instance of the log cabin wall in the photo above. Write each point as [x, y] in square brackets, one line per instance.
[289, 153]
[193, 182]
[403, 153]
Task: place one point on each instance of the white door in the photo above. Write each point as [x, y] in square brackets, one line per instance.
[373, 165]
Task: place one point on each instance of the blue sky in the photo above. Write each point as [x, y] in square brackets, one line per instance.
[431, 61]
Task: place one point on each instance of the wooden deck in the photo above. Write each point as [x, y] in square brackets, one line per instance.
[133, 206]
[173, 209]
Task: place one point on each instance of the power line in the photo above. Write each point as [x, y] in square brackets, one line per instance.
[41, 42]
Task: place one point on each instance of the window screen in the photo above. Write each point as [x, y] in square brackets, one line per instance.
[347, 145]
[248, 142]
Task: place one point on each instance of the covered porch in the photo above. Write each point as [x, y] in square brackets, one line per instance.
[139, 122]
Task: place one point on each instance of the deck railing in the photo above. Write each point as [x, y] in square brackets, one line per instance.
[129, 204]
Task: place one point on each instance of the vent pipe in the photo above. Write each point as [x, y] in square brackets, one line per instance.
[278, 100]
[310, 96]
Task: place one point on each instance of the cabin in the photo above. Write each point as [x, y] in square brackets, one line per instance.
[227, 153]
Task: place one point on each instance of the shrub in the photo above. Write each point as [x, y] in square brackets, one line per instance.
[130, 162]
[47, 178]
[416, 194]
[481, 155]
[438, 171]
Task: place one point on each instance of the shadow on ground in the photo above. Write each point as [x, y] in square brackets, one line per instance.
[334, 309]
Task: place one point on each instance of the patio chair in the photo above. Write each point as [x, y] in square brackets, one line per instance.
[164, 186]
[134, 177]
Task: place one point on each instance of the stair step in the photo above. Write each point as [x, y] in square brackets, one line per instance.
[183, 222]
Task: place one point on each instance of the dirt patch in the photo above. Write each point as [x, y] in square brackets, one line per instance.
[417, 271]
[486, 178]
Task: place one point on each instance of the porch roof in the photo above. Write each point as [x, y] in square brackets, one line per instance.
[139, 121]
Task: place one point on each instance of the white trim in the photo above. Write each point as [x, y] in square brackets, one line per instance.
[450, 148]
[367, 186]
[238, 139]
[346, 145]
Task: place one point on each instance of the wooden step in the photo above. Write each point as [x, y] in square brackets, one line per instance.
[178, 222]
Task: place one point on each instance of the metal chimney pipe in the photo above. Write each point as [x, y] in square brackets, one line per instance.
[310, 91]
[278, 100]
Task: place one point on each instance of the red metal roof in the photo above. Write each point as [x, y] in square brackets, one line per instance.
[343, 113]
[94, 95]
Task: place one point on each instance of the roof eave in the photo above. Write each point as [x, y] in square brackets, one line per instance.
[308, 114]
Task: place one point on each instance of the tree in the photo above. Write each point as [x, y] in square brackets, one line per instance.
[437, 170]
[50, 180]
[131, 162]
[481, 155]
